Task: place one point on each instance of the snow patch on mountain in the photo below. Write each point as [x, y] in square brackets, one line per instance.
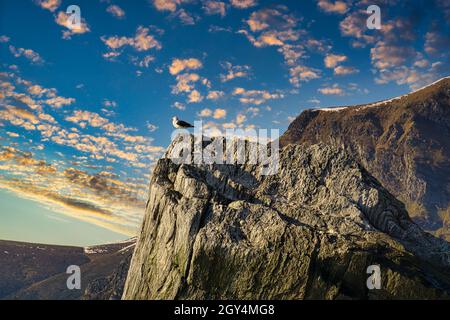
[383, 102]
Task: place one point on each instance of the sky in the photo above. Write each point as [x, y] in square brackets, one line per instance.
[85, 113]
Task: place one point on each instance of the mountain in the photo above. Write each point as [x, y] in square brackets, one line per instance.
[38, 271]
[403, 142]
[308, 232]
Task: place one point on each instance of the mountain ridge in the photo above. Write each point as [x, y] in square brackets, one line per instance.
[38, 271]
[403, 142]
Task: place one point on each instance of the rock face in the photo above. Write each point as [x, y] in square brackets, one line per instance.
[404, 143]
[308, 232]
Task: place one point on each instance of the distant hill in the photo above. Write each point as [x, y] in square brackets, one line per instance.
[403, 142]
[38, 271]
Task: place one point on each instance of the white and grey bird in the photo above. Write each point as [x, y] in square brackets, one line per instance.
[180, 124]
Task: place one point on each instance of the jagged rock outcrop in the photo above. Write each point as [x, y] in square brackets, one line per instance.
[403, 142]
[308, 232]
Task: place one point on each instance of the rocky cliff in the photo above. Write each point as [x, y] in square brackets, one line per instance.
[308, 232]
[403, 142]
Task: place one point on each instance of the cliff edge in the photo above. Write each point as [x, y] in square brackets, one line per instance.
[308, 232]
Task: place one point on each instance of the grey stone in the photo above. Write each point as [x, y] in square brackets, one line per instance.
[308, 232]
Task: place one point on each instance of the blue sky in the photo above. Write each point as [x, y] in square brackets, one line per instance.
[84, 114]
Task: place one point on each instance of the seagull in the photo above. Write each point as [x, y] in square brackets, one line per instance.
[180, 124]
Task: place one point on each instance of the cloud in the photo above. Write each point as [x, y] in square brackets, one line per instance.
[50, 5]
[63, 20]
[414, 78]
[97, 146]
[214, 7]
[82, 118]
[144, 62]
[22, 100]
[300, 74]
[179, 106]
[58, 102]
[112, 55]
[109, 103]
[195, 97]
[333, 90]
[278, 27]
[12, 134]
[259, 19]
[151, 127]
[241, 118]
[234, 72]
[29, 54]
[46, 117]
[216, 114]
[214, 95]
[26, 160]
[436, 43]
[314, 100]
[219, 113]
[214, 29]
[254, 111]
[123, 145]
[93, 119]
[47, 95]
[179, 65]
[173, 6]
[354, 25]
[141, 41]
[272, 18]
[342, 70]
[19, 117]
[116, 11]
[168, 5]
[185, 82]
[39, 91]
[243, 4]
[394, 52]
[255, 97]
[271, 38]
[99, 198]
[422, 63]
[332, 60]
[444, 6]
[6, 88]
[185, 17]
[4, 39]
[205, 113]
[385, 55]
[333, 7]
[62, 185]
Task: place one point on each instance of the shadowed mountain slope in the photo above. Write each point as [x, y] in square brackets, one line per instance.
[403, 142]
